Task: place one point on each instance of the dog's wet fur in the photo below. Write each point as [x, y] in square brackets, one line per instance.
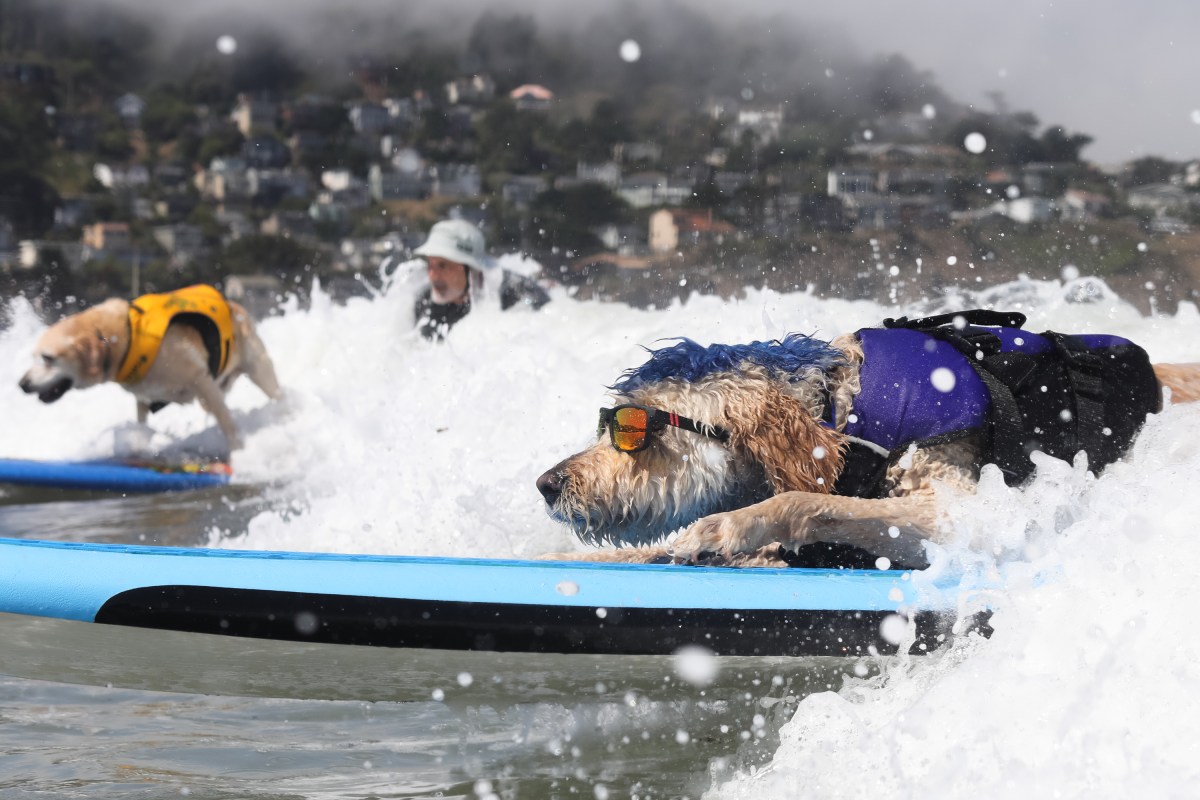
[764, 497]
[87, 349]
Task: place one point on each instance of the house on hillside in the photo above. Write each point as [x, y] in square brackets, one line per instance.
[532, 97]
[390, 184]
[1163, 198]
[121, 176]
[1026, 209]
[673, 229]
[73, 212]
[253, 115]
[636, 152]
[456, 180]
[369, 118]
[77, 132]
[26, 73]
[266, 152]
[129, 108]
[288, 224]
[649, 189]
[765, 123]
[184, 243]
[106, 236]
[1191, 174]
[520, 190]
[606, 173]
[66, 255]
[474, 90]
[1080, 206]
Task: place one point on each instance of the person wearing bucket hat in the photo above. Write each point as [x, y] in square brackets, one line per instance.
[456, 262]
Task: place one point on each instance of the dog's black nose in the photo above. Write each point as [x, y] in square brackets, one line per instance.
[26, 385]
[550, 485]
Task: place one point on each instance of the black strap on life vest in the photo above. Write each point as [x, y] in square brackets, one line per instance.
[1060, 401]
[1000, 372]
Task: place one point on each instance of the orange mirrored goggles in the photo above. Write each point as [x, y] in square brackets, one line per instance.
[632, 428]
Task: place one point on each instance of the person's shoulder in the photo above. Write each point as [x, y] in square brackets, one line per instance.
[518, 289]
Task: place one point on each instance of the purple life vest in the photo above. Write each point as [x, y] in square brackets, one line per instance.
[904, 397]
[918, 387]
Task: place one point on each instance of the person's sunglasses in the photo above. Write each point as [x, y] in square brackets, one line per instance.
[632, 428]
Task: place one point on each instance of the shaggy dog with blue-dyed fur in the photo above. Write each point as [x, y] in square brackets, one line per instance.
[754, 451]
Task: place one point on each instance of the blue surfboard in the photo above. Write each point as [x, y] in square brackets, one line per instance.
[112, 476]
[491, 605]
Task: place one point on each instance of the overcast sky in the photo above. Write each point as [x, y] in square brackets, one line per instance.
[1123, 71]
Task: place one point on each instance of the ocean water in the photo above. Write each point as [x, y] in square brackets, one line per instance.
[390, 444]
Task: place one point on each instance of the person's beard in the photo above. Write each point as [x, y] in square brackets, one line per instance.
[445, 294]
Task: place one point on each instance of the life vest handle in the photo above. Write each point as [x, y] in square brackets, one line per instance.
[975, 316]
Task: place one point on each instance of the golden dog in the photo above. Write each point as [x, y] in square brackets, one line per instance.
[745, 450]
[187, 357]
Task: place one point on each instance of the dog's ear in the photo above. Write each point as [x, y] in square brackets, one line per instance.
[92, 353]
[796, 452]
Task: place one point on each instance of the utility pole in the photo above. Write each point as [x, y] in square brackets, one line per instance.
[137, 269]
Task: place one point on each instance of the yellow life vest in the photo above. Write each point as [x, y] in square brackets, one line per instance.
[201, 306]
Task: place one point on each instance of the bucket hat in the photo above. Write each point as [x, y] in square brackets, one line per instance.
[459, 241]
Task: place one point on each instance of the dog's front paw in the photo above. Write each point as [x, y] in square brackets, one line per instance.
[724, 535]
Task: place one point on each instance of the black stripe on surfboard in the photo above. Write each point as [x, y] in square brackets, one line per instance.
[504, 627]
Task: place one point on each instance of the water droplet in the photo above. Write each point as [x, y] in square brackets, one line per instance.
[883, 562]
[893, 628]
[307, 623]
[695, 664]
[943, 379]
[975, 143]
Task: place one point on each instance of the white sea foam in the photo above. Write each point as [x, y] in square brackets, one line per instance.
[391, 444]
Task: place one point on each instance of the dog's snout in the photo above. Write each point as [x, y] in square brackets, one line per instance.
[550, 484]
[26, 385]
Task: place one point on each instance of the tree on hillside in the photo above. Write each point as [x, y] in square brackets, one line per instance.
[513, 141]
[506, 47]
[221, 142]
[565, 218]
[166, 115]
[1058, 145]
[263, 65]
[271, 255]
[593, 139]
[1011, 139]
[26, 199]
[1150, 169]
